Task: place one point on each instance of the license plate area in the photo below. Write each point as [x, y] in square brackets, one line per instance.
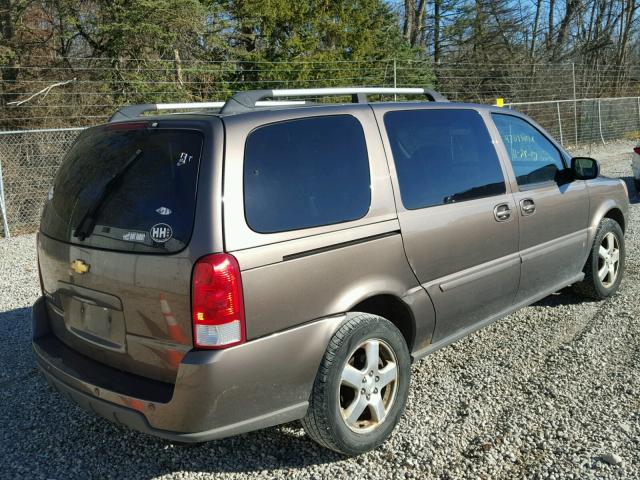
[94, 321]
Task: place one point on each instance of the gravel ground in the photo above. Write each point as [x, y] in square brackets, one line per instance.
[552, 391]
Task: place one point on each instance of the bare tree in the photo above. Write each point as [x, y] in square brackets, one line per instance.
[630, 8]
[414, 21]
[534, 31]
[551, 25]
[563, 29]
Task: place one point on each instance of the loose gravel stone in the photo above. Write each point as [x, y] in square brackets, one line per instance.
[611, 459]
[541, 394]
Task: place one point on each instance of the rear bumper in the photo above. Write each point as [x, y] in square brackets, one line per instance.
[216, 394]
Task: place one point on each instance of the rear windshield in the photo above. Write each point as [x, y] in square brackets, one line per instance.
[140, 183]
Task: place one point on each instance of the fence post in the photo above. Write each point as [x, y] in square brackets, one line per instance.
[395, 79]
[600, 123]
[575, 101]
[3, 206]
[560, 123]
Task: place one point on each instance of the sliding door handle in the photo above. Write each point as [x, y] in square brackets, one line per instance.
[527, 206]
[502, 212]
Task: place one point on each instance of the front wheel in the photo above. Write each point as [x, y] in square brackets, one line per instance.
[605, 266]
[361, 387]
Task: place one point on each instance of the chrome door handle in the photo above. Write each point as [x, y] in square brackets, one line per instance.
[502, 212]
[527, 206]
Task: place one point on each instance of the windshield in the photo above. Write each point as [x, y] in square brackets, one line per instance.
[146, 205]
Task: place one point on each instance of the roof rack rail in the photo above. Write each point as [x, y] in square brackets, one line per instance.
[132, 111]
[243, 101]
[249, 100]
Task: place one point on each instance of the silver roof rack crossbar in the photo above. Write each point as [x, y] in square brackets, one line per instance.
[243, 101]
[132, 111]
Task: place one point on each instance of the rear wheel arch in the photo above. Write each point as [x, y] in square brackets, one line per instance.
[394, 309]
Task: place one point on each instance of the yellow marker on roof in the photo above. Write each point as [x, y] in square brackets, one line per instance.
[499, 102]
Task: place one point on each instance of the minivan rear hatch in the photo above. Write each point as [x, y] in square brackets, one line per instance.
[111, 245]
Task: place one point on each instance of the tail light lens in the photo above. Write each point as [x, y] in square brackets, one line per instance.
[217, 302]
[637, 150]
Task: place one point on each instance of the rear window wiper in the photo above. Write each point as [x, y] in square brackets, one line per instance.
[88, 220]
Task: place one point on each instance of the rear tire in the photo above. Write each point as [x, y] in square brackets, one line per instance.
[361, 386]
[604, 269]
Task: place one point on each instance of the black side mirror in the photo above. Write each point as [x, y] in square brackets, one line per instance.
[585, 168]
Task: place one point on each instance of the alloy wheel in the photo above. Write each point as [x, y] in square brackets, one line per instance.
[368, 385]
[608, 260]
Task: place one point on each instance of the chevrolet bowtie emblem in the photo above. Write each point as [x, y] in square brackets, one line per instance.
[79, 266]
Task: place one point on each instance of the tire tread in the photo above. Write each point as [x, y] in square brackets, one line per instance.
[316, 423]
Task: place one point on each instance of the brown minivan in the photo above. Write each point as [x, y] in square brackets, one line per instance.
[240, 265]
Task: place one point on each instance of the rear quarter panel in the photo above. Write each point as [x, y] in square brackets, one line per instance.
[290, 278]
[291, 292]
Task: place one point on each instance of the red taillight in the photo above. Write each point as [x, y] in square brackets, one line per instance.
[217, 303]
[637, 150]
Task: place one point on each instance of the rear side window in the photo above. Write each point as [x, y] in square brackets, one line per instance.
[534, 158]
[442, 157]
[148, 207]
[306, 173]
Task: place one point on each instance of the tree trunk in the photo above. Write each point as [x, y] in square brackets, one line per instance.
[563, 29]
[9, 72]
[418, 28]
[409, 16]
[477, 28]
[534, 32]
[413, 27]
[551, 25]
[437, 4]
[626, 25]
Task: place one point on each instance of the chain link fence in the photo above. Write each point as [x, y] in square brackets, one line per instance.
[69, 92]
[588, 120]
[29, 159]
